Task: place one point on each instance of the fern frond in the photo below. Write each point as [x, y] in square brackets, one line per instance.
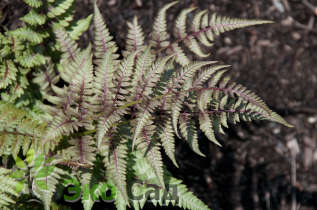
[60, 8]
[120, 91]
[207, 127]
[26, 33]
[8, 72]
[103, 82]
[149, 81]
[175, 193]
[7, 188]
[187, 200]
[34, 3]
[46, 79]
[160, 36]
[103, 41]
[189, 132]
[81, 26]
[18, 130]
[45, 179]
[68, 46]
[82, 150]
[143, 64]
[166, 135]
[202, 30]
[142, 118]
[30, 59]
[135, 37]
[85, 181]
[122, 80]
[116, 164]
[178, 80]
[75, 100]
[33, 18]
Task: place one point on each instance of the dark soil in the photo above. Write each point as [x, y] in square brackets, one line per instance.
[278, 61]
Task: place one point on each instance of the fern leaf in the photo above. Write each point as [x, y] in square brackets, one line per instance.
[68, 46]
[80, 27]
[33, 18]
[87, 201]
[60, 8]
[206, 74]
[34, 3]
[180, 23]
[189, 132]
[185, 74]
[207, 127]
[26, 33]
[82, 150]
[102, 39]
[8, 73]
[135, 37]
[18, 129]
[160, 36]
[117, 166]
[166, 136]
[103, 82]
[150, 80]
[123, 82]
[8, 188]
[142, 118]
[45, 179]
[46, 79]
[151, 150]
[30, 59]
[143, 65]
[201, 32]
[187, 200]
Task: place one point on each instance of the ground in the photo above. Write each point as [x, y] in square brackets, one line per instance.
[261, 165]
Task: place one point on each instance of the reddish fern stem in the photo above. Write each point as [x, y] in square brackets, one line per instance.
[81, 150]
[6, 70]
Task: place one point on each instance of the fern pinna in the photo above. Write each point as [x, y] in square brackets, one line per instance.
[117, 110]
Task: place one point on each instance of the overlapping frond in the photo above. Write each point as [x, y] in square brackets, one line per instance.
[7, 188]
[18, 130]
[74, 100]
[46, 79]
[116, 163]
[8, 73]
[45, 178]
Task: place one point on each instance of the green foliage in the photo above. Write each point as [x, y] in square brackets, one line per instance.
[26, 50]
[106, 118]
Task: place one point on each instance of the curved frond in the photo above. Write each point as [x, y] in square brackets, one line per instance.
[160, 36]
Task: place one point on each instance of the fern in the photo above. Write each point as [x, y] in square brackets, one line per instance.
[7, 188]
[18, 130]
[110, 113]
[28, 48]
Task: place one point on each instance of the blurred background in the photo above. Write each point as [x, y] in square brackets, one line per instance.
[261, 165]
